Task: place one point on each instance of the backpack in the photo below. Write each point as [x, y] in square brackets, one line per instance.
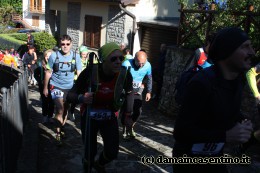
[183, 81]
[72, 64]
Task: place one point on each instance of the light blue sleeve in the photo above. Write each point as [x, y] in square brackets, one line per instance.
[149, 70]
[126, 63]
[51, 60]
[78, 62]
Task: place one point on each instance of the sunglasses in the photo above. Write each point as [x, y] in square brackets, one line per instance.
[63, 44]
[114, 58]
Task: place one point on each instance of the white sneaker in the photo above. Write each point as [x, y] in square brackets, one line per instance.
[45, 119]
[72, 116]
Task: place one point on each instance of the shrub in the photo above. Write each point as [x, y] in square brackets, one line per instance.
[43, 40]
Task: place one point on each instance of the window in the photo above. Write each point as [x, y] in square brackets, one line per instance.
[35, 5]
[35, 20]
[92, 33]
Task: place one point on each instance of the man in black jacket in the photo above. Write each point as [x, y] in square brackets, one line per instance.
[210, 115]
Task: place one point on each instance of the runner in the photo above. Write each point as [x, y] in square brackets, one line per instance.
[101, 90]
[140, 67]
[61, 66]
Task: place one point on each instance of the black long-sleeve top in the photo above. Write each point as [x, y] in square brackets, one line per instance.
[82, 84]
[211, 107]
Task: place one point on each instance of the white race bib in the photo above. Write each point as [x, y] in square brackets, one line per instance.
[207, 148]
[56, 93]
[137, 84]
[100, 114]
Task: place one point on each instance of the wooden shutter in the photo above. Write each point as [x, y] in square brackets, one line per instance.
[35, 20]
[92, 32]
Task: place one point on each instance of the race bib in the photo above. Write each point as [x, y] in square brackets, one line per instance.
[137, 84]
[207, 148]
[100, 114]
[56, 93]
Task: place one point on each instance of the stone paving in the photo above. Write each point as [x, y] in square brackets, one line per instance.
[154, 138]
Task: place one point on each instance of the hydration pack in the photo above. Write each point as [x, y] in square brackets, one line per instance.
[56, 65]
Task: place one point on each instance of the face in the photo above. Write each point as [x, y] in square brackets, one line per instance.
[31, 51]
[240, 60]
[113, 62]
[140, 59]
[65, 46]
[47, 56]
[84, 54]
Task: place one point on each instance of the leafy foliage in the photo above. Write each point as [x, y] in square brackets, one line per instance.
[43, 40]
[7, 8]
[223, 17]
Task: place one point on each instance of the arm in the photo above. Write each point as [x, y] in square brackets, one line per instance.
[251, 78]
[76, 93]
[78, 65]
[149, 84]
[46, 81]
[35, 56]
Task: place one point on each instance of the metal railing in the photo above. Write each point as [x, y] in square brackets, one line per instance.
[13, 115]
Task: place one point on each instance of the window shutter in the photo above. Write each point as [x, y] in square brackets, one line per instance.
[92, 34]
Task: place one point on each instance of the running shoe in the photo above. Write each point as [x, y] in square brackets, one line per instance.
[58, 139]
[132, 133]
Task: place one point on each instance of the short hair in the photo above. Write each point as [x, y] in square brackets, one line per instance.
[47, 51]
[65, 37]
[143, 50]
[126, 50]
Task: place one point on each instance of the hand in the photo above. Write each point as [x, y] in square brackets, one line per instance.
[148, 97]
[87, 98]
[240, 133]
[45, 92]
[257, 100]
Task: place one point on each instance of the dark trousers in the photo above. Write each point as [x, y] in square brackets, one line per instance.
[109, 132]
[47, 103]
[181, 149]
[136, 102]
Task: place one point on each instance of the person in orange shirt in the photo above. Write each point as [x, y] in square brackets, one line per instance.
[9, 59]
[1, 55]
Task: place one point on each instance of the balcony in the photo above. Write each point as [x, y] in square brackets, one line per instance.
[36, 9]
[125, 2]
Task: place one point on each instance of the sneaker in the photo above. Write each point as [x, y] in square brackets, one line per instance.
[124, 132]
[45, 119]
[72, 116]
[132, 133]
[99, 168]
[58, 139]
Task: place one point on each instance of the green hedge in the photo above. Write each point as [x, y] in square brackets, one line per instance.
[43, 40]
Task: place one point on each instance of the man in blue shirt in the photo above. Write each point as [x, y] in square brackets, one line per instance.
[60, 71]
[139, 68]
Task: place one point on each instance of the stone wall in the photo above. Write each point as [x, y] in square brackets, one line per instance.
[175, 61]
[115, 27]
[74, 9]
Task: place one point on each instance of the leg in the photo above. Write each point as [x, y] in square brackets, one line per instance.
[89, 141]
[109, 130]
[136, 113]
